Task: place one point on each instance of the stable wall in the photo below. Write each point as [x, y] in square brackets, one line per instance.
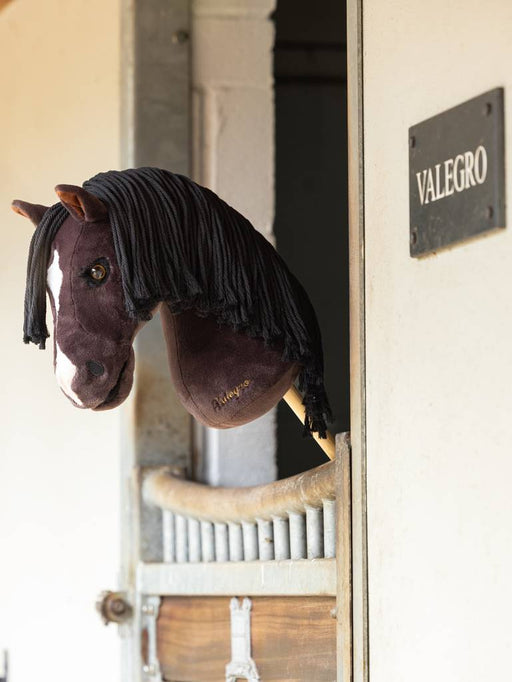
[438, 364]
[59, 466]
[232, 114]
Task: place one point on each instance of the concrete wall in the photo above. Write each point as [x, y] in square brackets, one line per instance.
[59, 466]
[233, 154]
[439, 367]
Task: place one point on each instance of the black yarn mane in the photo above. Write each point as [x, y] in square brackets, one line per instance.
[34, 325]
[178, 242]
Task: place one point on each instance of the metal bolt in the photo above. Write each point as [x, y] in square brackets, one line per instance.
[490, 212]
[113, 608]
[149, 669]
[414, 236]
[148, 609]
[180, 37]
[118, 606]
[488, 109]
[412, 141]
[333, 613]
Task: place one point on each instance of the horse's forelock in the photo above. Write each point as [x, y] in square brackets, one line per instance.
[34, 327]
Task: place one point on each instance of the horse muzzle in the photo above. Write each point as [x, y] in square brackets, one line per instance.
[94, 385]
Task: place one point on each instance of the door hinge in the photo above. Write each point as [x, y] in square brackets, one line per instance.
[151, 666]
[241, 665]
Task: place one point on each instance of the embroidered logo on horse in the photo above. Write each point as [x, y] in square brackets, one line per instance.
[235, 392]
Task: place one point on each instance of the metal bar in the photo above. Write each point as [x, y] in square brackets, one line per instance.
[168, 537]
[329, 528]
[281, 539]
[357, 307]
[221, 542]
[250, 537]
[314, 533]
[297, 536]
[265, 540]
[194, 540]
[236, 546]
[285, 578]
[181, 539]
[207, 541]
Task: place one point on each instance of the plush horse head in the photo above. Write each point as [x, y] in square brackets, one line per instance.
[239, 327]
[93, 333]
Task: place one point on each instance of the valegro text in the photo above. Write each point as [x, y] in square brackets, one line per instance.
[453, 175]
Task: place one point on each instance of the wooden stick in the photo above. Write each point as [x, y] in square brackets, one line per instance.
[294, 400]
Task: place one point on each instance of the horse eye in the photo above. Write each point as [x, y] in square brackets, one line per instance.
[98, 272]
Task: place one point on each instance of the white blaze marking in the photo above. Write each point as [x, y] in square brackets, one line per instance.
[54, 279]
[65, 370]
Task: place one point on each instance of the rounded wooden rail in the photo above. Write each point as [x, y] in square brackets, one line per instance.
[236, 505]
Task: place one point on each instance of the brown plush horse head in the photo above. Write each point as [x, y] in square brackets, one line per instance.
[93, 333]
[239, 328]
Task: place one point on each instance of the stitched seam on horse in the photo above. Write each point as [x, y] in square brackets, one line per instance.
[181, 371]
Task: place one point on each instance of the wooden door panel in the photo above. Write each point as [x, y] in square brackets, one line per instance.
[293, 638]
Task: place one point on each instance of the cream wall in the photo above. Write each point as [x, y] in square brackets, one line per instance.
[439, 365]
[59, 472]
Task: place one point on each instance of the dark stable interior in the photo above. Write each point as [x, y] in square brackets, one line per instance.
[311, 223]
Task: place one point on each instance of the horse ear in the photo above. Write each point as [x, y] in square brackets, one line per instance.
[34, 212]
[81, 204]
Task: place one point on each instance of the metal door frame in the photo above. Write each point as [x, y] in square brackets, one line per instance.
[355, 103]
[131, 549]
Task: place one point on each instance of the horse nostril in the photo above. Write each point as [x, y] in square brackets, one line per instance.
[95, 368]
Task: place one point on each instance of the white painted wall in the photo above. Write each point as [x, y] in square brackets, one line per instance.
[439, 365]
[59, 467]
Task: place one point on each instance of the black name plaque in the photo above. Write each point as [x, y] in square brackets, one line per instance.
[457, 174]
